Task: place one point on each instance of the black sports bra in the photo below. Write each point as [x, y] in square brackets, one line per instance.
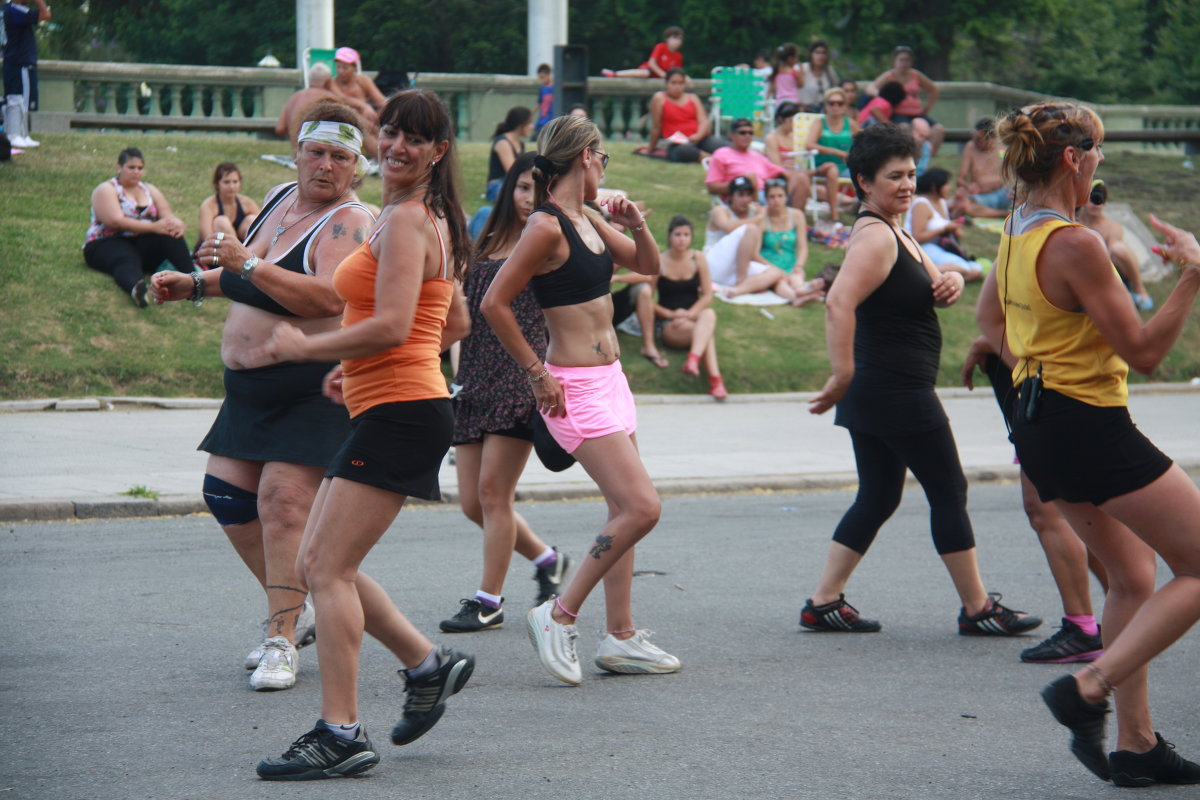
[583, 276]
[295, 259]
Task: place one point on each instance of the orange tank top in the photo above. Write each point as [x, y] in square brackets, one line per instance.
[411, 370]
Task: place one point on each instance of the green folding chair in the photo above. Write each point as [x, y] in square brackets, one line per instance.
[737, 92]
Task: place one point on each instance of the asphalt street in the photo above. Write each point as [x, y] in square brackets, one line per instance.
[121, 676]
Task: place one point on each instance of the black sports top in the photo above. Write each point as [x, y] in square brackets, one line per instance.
[897, 345]
[238, 217]
[295, 259]
[583, 276]
[496, 171]
[674, 294]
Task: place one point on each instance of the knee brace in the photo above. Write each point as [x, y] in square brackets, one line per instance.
[229, 504]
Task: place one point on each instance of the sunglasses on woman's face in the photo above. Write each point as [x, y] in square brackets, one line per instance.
[835, 103]
[743, 132]
[603, 158]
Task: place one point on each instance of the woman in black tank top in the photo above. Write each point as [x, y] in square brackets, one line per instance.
[684, 307]
[884, 346]
[582, 395]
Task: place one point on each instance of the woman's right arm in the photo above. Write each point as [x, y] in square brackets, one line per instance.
[505, 152]
[869, 256]
[208, 211]
[771, 149]
[703, 125]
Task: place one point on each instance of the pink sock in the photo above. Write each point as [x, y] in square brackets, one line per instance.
[1085, 623]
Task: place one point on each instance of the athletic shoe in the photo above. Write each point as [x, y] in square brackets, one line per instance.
[550, 578]
[1067, 646]
[555, 644]
[24, 141]
[996, 621]
[473, 615]
[426, 700]
[1085, 720]
[836, 616]
[278, 667]
[321, 753]
[306, 634]
[608, 73]
[138, 294]
[634, 656]
[1160, 764]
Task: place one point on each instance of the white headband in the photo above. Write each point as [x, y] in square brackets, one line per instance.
[337, 134]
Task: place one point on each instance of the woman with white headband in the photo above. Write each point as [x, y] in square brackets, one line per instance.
[276, 433]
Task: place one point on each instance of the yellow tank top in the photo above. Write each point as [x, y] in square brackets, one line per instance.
[1074, 357]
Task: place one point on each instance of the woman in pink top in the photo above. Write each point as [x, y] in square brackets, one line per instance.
[912, 111]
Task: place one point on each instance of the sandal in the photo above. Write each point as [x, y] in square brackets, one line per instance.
[692, 365]
[716, 387]
[656, 359]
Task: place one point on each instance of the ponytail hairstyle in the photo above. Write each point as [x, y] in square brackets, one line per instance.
[783, 54]
[560, 142]
[516, 117]
[1035, 137]
[421, 112]
[501, 227]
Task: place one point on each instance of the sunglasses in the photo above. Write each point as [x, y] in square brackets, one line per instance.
[835, 103]
[603, 158]
[743, 131]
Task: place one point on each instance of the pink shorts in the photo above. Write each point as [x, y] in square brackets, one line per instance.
[598, 402]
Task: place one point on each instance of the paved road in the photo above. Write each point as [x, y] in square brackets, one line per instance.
[121, 647]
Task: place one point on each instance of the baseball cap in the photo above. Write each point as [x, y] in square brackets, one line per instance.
[348, 55]
[740, 184]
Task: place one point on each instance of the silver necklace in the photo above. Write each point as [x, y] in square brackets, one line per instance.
[282, 229]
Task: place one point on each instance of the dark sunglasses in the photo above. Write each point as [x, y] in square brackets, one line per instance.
[603, 158]
[743, 131]
[835, 103]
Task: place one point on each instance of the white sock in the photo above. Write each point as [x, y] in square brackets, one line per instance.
[347, 732]
[547, 557]
[426, 667]
[490, 600]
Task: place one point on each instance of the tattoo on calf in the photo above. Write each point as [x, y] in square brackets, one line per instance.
[603, 544]
[275, 623]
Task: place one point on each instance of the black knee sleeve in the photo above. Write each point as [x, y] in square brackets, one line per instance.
[229, 504]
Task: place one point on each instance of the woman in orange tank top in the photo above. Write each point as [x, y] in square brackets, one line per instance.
[403, 308]
[1072, 329]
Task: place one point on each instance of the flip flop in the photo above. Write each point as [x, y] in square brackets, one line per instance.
[657, 360]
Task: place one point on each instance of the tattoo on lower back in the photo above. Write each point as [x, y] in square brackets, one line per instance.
[599, 348]
[603, 544]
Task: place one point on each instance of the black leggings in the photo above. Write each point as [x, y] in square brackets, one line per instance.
[128, 258]
[882, 464]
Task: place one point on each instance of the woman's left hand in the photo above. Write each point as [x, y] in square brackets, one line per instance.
[222, 250]
[623, 211]
[948, 288]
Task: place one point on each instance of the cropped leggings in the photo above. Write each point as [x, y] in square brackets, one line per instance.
[882, 463]
[128, 258]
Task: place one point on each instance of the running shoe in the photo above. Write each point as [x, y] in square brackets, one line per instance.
[837, 616]
[306, 634]
[555, 644]
[996, 620]
[1161, 764]
[550, 578]
[321, 753]
[636, 655]
[1068, 645]
[473, 615]
[426, 697]
[278, 667]
[138, 294]
[1084, 719]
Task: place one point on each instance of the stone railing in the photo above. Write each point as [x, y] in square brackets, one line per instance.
[249, 99]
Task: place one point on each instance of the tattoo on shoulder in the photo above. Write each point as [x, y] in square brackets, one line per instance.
[603, 544]
[338, 230]
[360, 234]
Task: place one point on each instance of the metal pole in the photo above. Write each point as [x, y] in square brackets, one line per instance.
[314, 27]
[547, 28]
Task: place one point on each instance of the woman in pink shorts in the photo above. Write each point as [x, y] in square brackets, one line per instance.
[567, 256]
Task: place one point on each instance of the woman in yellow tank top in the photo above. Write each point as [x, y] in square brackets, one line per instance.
[1073, 332]
[402, 310]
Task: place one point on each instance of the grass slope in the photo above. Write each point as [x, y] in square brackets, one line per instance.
[66, 330]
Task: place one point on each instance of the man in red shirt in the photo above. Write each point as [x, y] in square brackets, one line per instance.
[739, 160]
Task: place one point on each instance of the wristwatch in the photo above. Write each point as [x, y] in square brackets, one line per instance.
[249, 266]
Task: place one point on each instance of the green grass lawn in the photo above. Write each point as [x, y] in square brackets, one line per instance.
[67, 331]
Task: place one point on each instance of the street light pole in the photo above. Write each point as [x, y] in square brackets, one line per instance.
[547, 28]
[314, 27]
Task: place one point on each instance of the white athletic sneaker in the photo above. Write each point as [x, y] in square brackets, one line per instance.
[278, 667]
[555, 644]
[306, 634]
[635, 655]
[23, 141]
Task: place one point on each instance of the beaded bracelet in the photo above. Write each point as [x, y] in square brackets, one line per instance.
[199, 288]
[536, 378]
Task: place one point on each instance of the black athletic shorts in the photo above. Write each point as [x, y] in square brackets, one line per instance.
[398, 447]
[1083, 453]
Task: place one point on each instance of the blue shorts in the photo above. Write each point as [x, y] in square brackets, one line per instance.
[1000, 199]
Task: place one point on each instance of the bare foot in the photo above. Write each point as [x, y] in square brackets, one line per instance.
[655, 358]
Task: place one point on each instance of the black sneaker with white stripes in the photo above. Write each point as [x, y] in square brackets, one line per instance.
[426, 697]
[550, 578]
[996, 620]
[321, 753]
[837, 616]
[473, 615]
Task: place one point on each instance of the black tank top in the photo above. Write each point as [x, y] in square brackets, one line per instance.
[238, 217]
[295, 259]
[674, 294]
[496, 170]
[897, 347]
[583, 276]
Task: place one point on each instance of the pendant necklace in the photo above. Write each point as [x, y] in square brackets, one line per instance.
[282, 229]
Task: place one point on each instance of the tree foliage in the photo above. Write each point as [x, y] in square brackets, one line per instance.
[1097, 50]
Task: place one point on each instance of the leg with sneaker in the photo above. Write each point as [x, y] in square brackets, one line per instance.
[1139, 623]
[634, 508]
[347, 519]
[488, 472]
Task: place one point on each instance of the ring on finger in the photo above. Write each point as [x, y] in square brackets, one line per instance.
[214, 258]
[220, 236]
